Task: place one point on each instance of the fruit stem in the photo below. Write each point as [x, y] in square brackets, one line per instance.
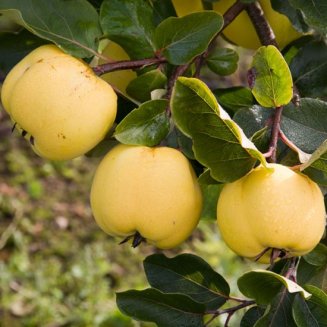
[127, 64]
[261, 25]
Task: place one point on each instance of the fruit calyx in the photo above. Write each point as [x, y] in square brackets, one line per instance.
[137, 240]
[274, 255]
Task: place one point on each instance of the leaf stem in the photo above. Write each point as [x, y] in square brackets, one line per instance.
[127, 64]
[228, 311]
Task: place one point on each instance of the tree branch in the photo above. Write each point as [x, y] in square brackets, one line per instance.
[261, 25]
[127, 64]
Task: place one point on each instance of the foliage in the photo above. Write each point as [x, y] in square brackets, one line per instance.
[224, 131]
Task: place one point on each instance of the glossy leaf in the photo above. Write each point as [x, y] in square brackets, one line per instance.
[234, 98]
[311, 313]
[271, 80]
[176, 139]
[181, 39]
[294, 15]
[251, 317]
[141, 87]
[210, 192]
[318, 256]
[278, 312]
[263, 286]
[222, 61]
[130, 24]
[58, 21]
[315, 12]
[218, 143]
[147, 125]
[187, 274]
[14, 47]
[166, 310]
[316, 166]
[309, 69]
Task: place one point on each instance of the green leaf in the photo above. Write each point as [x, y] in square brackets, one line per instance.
[318, 256]
[130, 24]
[294, 15]
[251, 317]
[305, 125]
[222, 61]
[309, 69]
[166, 310]
[272, 84]
[14, 47]
[316, 166]
[210, 193]
[162, 9]
[263, 286]
[176, 139]
[218, 143]
[311, 313]
[187, 274]
[182, 39]
[147, 125]
[77, 31]
[278, 312]
[234, 98]
[315, 12]
[141, 87]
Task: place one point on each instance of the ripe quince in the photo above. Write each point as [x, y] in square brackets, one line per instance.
[185, 7]
[149, 192]
[58, 102]
[274, 208]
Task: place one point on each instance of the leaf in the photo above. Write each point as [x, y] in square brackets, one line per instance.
[141, 87]
[59, 21]
[234, 98]
[14, 47]
[162, 9]
[210, 193]
[279, 312]
[318, 256]
[305, 125]
[147, 125]
[222, 61]
[316, 166]
[309, 69]
[218, 143]
[294, 15]
[176, 139]
[315, 12]
[130, 24]
[251, 317]
[166, 310]
[187, 274]
[272, 86]
[263, 286]
[182, 39]
[311, 313]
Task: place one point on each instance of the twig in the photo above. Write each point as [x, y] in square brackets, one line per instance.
[261, 25]
[229, 311]
[127, 64]
[271, 154]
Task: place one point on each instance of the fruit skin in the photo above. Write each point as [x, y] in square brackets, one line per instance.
[119, 79]
[241, 31]
[278, 209]
[185, 7]
[60, 102]
[153, 191]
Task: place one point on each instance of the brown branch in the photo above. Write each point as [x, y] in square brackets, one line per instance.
[261, 25]
[127, 64]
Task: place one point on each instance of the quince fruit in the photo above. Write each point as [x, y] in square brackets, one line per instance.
[58, 102]
[268, 209]
[242, 33]
[147, 193]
